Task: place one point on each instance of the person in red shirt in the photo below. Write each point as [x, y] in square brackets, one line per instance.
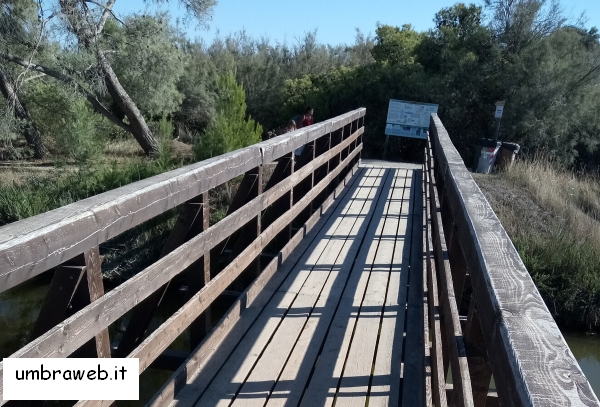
[308, 117]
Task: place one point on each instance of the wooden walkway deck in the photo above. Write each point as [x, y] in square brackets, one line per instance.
[335, 323]
[384, 292]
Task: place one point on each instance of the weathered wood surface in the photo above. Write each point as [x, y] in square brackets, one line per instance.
[268, 353]
[36, 244]
[254, 298]
[69, 335]
[531, 362]
[261, 330]
[157, 342]
[413, 392]
[438, 378]
[170, 329]
[94, 319]
[462, 394]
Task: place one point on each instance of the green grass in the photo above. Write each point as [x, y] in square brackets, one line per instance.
[566, 271]
[41, 193]
[133, 250]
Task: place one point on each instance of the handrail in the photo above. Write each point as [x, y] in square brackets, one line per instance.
[522, 345]
[32, 246]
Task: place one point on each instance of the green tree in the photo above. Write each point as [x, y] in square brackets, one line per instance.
[149, 61]
[197, 85]
[395, 45]
[18, 19]
[231, 129]
[84, 22]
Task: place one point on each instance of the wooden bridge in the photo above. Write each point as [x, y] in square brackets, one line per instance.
[367, 283]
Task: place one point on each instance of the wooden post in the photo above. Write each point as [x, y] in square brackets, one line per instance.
[249, 232]
[323, 144]
[284, 203]
[385, 146]
[308, 154]
[479, 366]
[75, 284]
[197, 276]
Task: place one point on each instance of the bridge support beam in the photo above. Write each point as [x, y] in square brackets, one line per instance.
[193, 219]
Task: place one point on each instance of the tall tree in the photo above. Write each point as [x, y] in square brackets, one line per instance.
[16, 18]
[30, 131]
[86, 20]
[395, 45]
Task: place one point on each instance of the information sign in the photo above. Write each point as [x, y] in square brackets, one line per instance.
[498, 113]
[409, 119]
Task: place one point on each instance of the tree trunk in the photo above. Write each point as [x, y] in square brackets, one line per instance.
[138, 126]
[87, 32]
[30, 131]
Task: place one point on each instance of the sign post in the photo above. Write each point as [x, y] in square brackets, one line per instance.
[407, 119]
[498, 117]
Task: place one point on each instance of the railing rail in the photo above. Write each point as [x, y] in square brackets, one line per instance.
[505, 328]
[68, 238]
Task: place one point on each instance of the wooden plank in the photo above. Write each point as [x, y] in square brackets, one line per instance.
[273, 275]
[293, 379]
[197, 276]
[429, 371]
[387, 375]
[288, 347]
[437, 358]
[357, 373]
[531, 361]
[413, 382]
[36, 244]
[230, 378]
[462, 393]
[170, 329]
[93, 265]
[325, 379]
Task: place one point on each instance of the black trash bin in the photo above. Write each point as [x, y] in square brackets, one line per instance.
[485, 155]
[506, 155]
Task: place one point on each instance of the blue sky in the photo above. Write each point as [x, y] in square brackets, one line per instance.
[336, 21]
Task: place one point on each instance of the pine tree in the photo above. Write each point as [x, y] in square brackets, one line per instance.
[230, 129]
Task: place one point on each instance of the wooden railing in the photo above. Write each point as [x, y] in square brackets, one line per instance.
[261, 223]
[489, 319]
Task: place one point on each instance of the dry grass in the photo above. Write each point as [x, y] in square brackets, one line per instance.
[573, 199]
[123, 148]
[553, 217]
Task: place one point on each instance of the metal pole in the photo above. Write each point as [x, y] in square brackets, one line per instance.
[498, 117]
[497, 129]
[385, 147]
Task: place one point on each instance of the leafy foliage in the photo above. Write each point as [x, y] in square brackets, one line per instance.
[395, 45]
[149, 62]
[231, 129]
